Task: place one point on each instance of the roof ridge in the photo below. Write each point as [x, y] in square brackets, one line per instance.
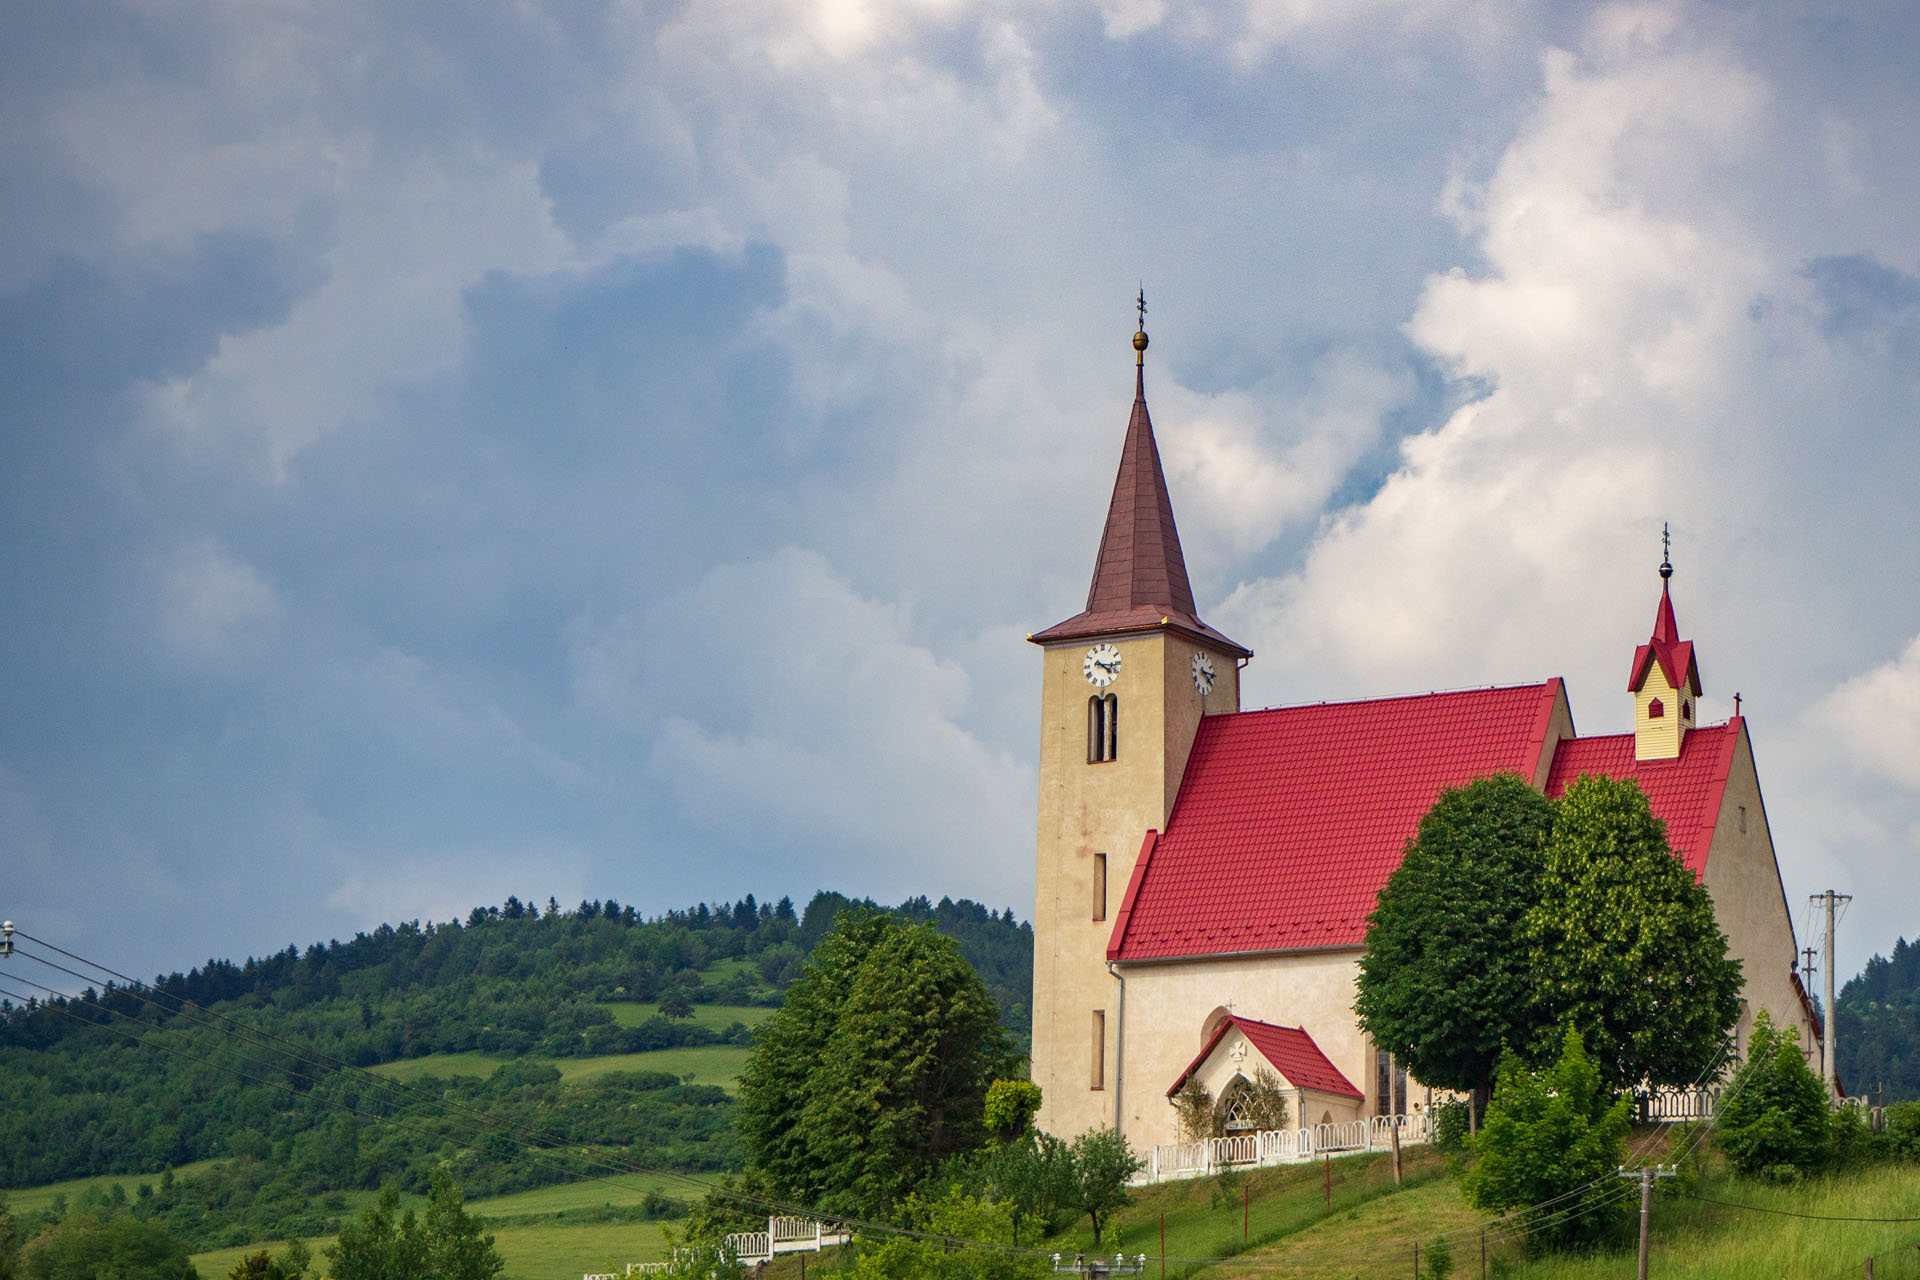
[1400, 697]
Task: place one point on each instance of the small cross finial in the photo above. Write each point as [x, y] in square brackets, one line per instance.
[1140, 335]
[1736, 704]
[1666, 552]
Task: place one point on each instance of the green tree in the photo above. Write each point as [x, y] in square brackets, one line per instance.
[1624, 944]
[1032, 1176]
[1552, 1138]
[1010, 1107]
[1446, 972]
[1772, 1118]
[674, 1004]
[388, 1244]
[958, 1216]
[85, 1248]
[1099, 1162]
[875, 1070]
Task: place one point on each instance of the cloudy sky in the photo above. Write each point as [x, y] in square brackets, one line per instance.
[617, 449]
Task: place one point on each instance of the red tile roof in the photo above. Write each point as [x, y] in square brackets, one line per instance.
[1139, 576]
[1289, 821]
[1685, 792]
[1289, 1050]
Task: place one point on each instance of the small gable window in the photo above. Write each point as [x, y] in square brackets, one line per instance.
[1686, 710]
[1656, 709]
[1103, 728]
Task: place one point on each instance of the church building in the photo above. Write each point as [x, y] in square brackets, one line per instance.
[1204, 873]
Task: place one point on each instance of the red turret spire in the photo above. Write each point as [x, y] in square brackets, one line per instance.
[1139, 576]
[1674, 655]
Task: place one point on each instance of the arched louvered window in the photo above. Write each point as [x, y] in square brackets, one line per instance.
[1656, 709]
[1103, 728]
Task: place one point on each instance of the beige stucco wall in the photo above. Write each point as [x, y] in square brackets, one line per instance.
[1744, 879]
[1107, 808]
[1169, 1006]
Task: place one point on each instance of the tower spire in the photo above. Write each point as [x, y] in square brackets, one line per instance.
[1139, 575]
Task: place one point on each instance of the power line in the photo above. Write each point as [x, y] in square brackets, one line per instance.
[1788, 1213]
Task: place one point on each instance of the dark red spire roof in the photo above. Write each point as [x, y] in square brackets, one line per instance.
[1139, 577]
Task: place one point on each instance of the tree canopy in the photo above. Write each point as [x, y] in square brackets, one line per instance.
[1445, 978]
[875, 1069]
[1625, 947]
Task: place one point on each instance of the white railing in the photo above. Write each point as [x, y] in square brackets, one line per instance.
[1172, 1160]
[1668, 1106]
[787, 1235]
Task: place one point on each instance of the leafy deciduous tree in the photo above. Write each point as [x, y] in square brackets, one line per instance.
[85, 1248]
[1548, 1134]
[1100, 1162]
[1625, 945]
[1445, 976]
[1010, 1107]
[1772, 1119]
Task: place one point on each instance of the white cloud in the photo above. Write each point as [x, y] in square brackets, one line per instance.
[204, 596]
[411, 240]
[783, 707]
[1877, 717]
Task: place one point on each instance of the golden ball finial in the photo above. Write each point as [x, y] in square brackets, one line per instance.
[1140, 340]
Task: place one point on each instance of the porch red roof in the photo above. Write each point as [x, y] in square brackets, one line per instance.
[1685, 792]
[1290, 1050]
[1289, 821]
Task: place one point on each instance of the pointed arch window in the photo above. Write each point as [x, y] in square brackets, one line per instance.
[1656, 709]
[1103, 728]
[1237, 1112]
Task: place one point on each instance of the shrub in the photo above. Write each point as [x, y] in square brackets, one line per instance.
[1548, 1135]
[1451, 1126]
[1902, 1133]
[1773, 1120]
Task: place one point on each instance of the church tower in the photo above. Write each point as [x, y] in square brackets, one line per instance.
[1124, 687]
[1664, 682]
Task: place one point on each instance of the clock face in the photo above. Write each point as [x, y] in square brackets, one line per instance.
[1101, 665]
[1202, 673]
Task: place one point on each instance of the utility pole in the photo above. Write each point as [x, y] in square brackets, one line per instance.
[6, 939]
[1646, 1175]
[1829, 1057]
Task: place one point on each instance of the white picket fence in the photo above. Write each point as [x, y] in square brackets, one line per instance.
[1172, 1160]
[783, 1235]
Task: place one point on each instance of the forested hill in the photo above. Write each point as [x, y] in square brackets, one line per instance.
[118, 1082]
[1879, 1026]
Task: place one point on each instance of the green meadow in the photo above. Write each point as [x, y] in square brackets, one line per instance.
[704, 1064]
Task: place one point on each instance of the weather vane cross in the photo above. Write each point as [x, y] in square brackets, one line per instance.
[1666, 544]
[1141, 303]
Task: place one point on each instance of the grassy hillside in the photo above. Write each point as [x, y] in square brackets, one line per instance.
[1277, 1224]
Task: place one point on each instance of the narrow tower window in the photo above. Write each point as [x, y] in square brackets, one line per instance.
[1656, 709]
[1099, 886]
[1099, 1076]
[1103, 728]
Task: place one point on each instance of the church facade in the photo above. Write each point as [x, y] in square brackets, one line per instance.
[1204, 873]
